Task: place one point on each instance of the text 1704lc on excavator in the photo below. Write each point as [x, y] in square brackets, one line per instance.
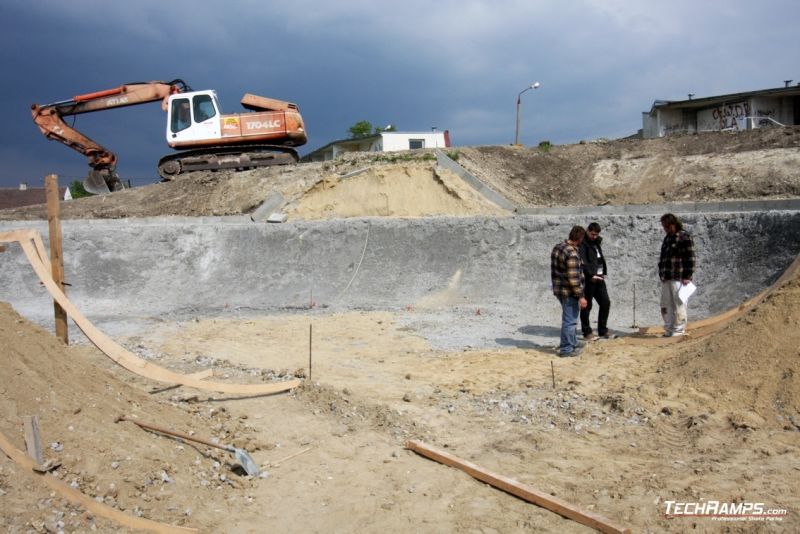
[205, 138]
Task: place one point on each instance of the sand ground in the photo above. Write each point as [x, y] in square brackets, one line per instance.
[619, 431]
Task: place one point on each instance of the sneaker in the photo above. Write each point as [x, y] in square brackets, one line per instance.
[608, 335]
[590, 336]
[576, 352]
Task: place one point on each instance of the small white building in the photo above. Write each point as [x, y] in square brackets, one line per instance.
[381, 142]
[742, 111]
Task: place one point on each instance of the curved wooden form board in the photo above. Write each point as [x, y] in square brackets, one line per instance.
[76, 497]
[717, 322]
[125, 358]
[43, 255]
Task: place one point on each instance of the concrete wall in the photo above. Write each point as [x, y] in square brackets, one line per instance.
[777, 109]
[123, 271]
[649, 125]
[670, 121]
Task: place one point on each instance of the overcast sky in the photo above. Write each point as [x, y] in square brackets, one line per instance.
[456, 65]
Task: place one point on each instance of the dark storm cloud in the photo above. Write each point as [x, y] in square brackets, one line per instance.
[456, 65]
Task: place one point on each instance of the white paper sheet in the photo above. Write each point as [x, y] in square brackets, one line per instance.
[686, 291]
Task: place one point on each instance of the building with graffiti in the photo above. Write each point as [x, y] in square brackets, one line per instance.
[738, 111]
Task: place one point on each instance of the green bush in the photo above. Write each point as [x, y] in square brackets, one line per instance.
[77, 190]
[545, 146]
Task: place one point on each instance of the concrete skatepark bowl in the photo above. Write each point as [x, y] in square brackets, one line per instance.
[458, 282]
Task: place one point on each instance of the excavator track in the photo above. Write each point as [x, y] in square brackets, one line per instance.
[217, 158]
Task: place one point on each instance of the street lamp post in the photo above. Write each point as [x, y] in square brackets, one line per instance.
[519, 101]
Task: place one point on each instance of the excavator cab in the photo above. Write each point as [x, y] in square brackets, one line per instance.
[193, 117]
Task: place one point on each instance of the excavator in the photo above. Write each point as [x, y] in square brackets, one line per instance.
[205, 138]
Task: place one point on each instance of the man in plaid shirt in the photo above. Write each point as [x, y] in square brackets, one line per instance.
[675, 269]
[566, 272]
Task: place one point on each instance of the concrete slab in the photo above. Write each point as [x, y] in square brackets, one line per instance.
[444, 161]
[274, 202]
[459, 282]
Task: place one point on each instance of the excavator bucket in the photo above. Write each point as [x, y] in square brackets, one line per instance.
[101, 182]
[95, 183]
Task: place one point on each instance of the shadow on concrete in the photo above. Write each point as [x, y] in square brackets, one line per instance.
[537, 331]
[521, 343]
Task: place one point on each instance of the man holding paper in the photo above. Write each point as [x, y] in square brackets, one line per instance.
[675, 269]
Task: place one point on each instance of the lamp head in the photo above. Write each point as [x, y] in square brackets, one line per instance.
[535, 85]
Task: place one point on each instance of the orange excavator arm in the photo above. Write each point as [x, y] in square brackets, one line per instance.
[50, 120]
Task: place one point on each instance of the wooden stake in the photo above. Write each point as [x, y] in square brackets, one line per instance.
[553, 371]
[517, 489]
[56, 254]
[32, 440]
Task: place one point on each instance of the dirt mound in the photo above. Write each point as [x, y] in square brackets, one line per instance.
[710, 166]
[193, 195]
[115, 463]
[749, 370]
[703, 167]
[414, 190]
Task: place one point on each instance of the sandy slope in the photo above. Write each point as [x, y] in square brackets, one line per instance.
[625, 428]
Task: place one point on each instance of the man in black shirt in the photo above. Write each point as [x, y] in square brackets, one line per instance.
[594, 272]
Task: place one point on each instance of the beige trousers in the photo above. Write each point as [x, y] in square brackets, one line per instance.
[673, 311]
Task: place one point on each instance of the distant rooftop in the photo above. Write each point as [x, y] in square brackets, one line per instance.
[24, 196]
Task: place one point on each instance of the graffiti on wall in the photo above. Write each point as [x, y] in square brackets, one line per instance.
[735, 116]
[730, 116]
[764, 117]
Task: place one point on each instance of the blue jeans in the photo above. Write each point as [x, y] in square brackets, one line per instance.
[570, 309]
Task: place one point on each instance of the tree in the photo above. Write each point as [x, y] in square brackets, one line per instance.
[77, 190]
[360, 129]
[363, 129]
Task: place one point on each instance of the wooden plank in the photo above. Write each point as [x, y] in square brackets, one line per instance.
[127, 359]
[518, 489]
[14, 236]
[200, 375]
[32, 440]
[56, 252]
[88, 503]
[40, 248]
[715, 319]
